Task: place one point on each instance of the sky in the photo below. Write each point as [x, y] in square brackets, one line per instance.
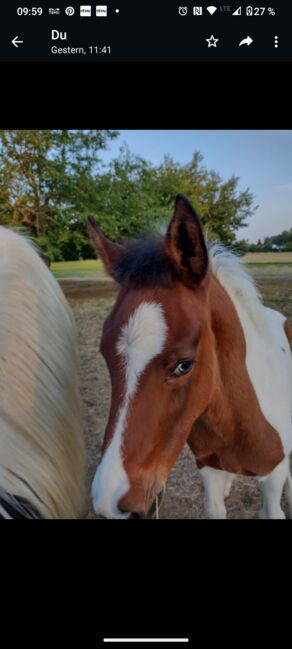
[261, 159]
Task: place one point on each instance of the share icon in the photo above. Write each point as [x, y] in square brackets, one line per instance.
[246, 41]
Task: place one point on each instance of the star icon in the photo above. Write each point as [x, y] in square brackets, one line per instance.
[212, 41]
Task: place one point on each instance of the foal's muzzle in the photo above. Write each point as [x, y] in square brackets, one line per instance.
[154, 509]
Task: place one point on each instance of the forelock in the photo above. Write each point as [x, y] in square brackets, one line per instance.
[144, 263]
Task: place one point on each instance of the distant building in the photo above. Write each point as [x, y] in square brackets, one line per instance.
[276, 248]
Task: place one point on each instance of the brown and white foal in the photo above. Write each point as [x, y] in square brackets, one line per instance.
[194, 357]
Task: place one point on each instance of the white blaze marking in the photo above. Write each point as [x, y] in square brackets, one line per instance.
[142, 338]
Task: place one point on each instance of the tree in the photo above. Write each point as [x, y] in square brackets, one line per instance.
[222, 208]
[281, 241]
[51, 180]
[41, 179]
[241, 247]
[134, 196]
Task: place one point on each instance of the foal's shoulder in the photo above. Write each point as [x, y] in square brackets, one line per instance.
[279, 323]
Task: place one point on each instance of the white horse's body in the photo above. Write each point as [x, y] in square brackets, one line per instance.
[269, 365]
[41, 441]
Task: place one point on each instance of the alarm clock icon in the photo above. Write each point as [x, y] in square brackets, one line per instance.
[182, 11]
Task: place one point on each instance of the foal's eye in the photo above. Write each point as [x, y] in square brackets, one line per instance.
[182, 367]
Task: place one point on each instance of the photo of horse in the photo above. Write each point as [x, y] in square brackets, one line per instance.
[145, 320]
[194, 357]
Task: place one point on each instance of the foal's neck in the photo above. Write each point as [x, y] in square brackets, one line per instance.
[233, 433]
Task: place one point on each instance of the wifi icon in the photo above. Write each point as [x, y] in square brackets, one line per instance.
[211, 10]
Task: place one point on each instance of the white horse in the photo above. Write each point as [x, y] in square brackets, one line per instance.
[41, 439]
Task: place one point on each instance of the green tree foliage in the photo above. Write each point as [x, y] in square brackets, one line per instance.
[135, 195]
[241, 247]
[41, 183]
[281, 242]
[51, 180]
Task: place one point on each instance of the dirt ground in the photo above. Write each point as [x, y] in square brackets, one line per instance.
[184, 493]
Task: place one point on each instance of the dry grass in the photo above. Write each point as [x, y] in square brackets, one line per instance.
[268, 258]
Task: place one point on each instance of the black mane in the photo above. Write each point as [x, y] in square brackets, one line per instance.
[145, 263]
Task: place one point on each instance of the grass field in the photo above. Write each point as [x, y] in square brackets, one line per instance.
[268, 259]
[85, 268]
[92, 267]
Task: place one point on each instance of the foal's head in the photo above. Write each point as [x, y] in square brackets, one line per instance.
[157, 343]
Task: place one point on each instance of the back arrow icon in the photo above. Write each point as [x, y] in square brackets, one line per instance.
[246, 41]
[15, 41]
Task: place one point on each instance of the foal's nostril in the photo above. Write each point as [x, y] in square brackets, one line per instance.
[138, 515]
[152, 513]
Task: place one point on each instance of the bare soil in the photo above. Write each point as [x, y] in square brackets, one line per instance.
[91, 301]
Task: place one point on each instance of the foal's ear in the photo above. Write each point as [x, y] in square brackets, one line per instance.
[185, 244]
[107, 250]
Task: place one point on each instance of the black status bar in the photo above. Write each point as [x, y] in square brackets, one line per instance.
[154, 30]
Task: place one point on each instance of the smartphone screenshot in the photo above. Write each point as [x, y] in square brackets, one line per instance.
[145, 321]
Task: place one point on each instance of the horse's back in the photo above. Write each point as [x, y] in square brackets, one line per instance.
[40, 416]
[21, 263]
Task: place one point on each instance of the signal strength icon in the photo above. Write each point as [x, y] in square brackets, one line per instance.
[237, 12]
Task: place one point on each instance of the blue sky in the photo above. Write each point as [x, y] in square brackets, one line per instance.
[261, 159]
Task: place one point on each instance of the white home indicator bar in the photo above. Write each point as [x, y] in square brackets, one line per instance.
[146, 639]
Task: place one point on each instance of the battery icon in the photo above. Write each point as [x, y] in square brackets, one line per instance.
[249, 11]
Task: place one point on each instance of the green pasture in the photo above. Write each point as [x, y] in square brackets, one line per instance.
[84, 268]
[94, 268]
